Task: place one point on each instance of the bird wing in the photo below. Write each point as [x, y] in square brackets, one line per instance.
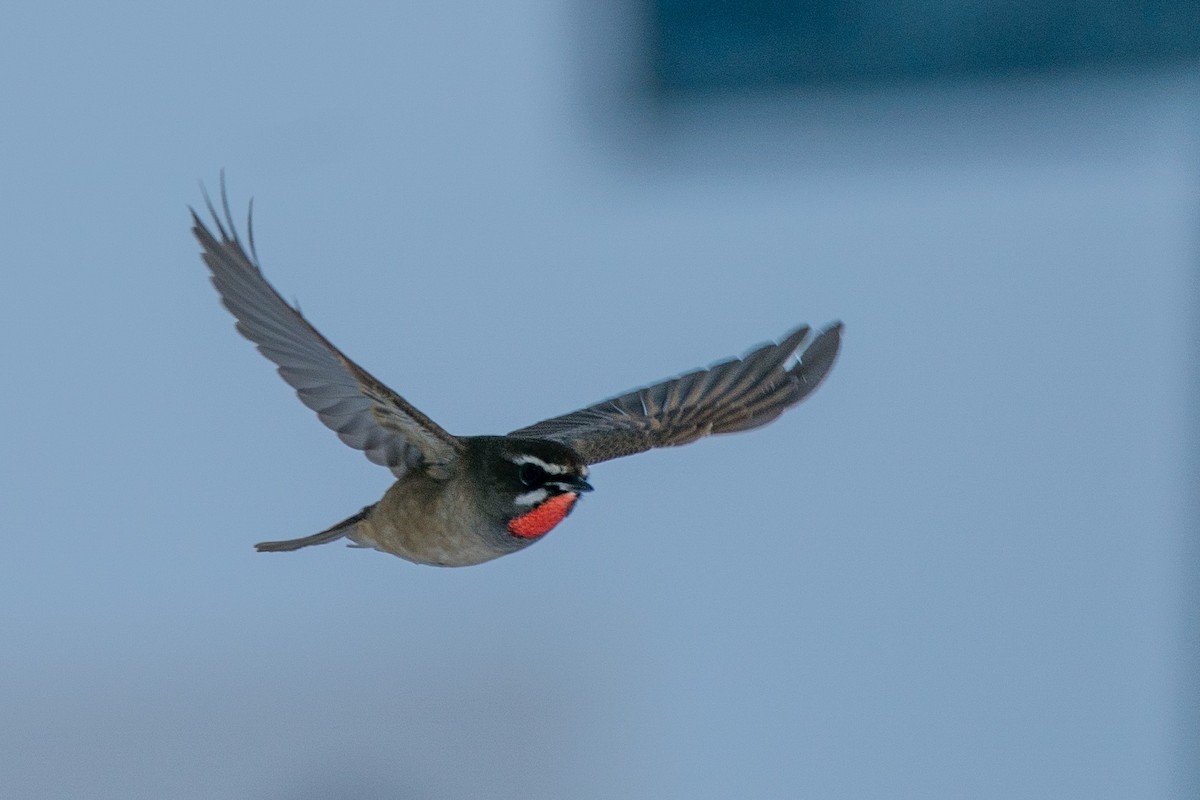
[733, 395]
[364, 413]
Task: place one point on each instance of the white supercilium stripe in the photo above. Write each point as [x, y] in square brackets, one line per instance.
[549, 469]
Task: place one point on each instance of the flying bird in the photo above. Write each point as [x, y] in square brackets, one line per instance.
[464, 500]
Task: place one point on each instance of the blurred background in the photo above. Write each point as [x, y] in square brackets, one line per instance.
[966, 567]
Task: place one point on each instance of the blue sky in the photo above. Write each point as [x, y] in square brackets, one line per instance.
[958, 570]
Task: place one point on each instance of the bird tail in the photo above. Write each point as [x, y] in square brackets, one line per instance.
[343, 528]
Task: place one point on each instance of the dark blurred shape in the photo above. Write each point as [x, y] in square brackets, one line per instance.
[700, 46]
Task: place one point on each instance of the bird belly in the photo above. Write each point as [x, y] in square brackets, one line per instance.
[428, 522]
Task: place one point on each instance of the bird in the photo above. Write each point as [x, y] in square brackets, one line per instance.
[465, 500]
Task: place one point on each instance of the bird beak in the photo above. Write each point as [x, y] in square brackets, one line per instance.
[574, 484]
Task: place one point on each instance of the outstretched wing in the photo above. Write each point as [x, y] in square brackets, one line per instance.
[734, 395]
[362, 411]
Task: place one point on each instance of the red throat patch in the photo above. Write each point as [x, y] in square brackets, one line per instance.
[541, 519]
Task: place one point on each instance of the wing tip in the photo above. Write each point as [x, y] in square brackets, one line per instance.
[817, 359]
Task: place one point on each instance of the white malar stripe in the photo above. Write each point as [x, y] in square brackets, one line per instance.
[549, 469]
[531, 498]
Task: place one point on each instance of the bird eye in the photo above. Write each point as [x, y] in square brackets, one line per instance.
[532, 475]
